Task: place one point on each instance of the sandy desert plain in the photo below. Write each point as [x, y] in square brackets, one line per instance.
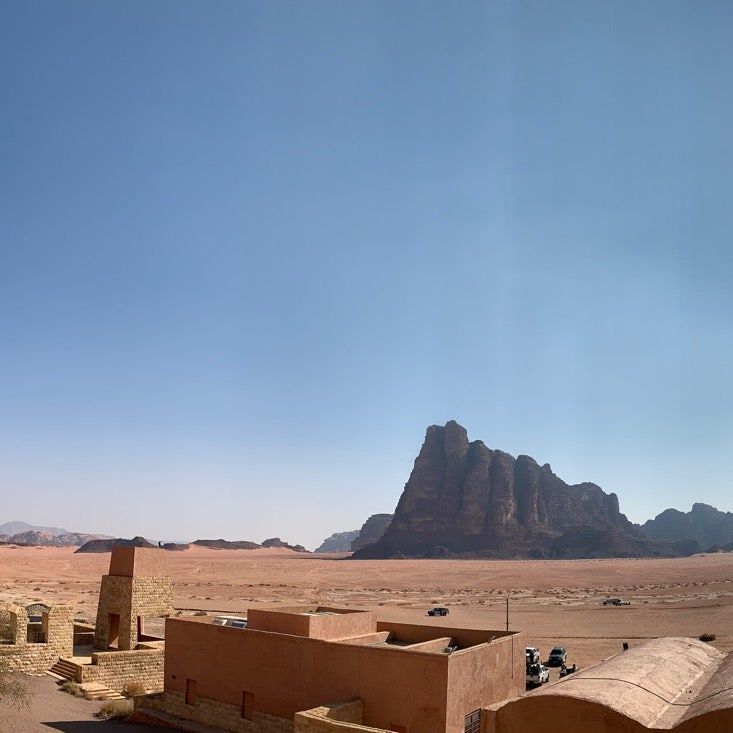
[552, 601]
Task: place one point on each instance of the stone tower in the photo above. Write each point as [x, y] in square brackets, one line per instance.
[136, 587]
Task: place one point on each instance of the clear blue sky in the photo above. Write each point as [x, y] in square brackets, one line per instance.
[249, 251]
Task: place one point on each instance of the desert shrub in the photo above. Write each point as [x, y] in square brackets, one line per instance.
[131, 689]
[115, 709]
[73, 688]
[707, 637]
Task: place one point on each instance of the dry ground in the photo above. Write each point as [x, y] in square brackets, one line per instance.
[53, 711]
[552, 601]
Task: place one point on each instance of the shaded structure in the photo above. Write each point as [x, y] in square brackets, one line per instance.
[667, 684]
[311, 670]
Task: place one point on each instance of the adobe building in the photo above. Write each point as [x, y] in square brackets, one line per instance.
[135, 587]
[313, 670]
[674, 684]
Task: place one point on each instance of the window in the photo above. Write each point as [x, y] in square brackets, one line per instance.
[472, 722]
[190, 692]
[248, 705]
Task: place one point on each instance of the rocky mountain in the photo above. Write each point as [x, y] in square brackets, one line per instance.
[108, 544]
[338, 542]
[13, 528]
[46, 539]
[464, 499]
[371, 531]
[704, 524]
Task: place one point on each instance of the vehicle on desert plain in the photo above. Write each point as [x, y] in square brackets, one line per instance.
[537, 674]
[615, 602]
[438, 611]
[558, 657]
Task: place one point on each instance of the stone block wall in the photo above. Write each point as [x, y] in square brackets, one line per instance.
[15, 622]
[58, 630]
[213, 713]
[116, 669]
[129, 598]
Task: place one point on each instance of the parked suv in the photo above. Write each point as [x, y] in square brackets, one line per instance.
[438, 611]
[558, 657]
[615, 602]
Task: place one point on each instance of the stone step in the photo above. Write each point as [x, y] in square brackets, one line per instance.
[98, 691]
[65, 669]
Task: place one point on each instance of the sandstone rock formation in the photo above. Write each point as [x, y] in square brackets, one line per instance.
[277, 542]
[705, 524]
[371, 531]
[227, 544]
[247, 545]
[338, 542]
[466, 500]
[108, 544]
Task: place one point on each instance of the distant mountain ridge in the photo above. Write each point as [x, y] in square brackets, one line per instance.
[704, 524]
[16, 527]
[106, 545]
[464, 499]
[21, 533]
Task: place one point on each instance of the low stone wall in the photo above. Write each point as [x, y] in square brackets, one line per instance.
[28, 657]
[213, 713]
[116, 669]
[343, 717]
[56, 628]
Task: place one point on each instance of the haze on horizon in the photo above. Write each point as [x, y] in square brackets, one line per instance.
[251, 250]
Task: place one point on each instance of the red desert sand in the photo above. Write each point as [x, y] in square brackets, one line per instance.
[553, 601]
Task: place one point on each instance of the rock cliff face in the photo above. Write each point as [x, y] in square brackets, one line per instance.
[371, 531]
[464, 499]
[338, 542]
[704, 523]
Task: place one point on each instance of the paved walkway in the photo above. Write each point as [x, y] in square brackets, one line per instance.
[54, 711]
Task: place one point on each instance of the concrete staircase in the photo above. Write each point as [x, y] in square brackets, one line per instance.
[65, 669]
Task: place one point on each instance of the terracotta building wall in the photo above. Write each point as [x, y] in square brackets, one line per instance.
[288, 674]
[342, 625]
[414, 633]
[144, 562]
[297, 622]
[484, 675]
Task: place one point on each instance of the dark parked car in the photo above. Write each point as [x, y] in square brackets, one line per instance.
[438, 611]
[558, 657]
